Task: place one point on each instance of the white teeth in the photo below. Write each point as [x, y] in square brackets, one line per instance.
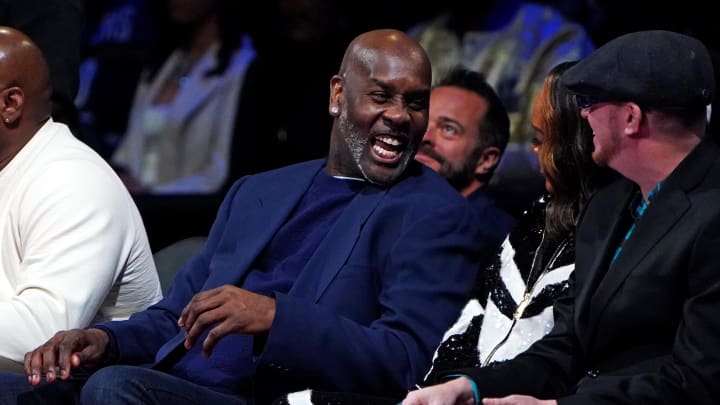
[390, 141]
[384, 152]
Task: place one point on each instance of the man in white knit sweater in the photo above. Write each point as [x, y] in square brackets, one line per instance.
[73, 248]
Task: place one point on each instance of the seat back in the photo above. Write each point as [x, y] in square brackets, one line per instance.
[171, 258]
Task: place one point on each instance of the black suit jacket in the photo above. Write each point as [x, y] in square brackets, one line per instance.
[646, 329]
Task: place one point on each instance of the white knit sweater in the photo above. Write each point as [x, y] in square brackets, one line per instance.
[73, 245]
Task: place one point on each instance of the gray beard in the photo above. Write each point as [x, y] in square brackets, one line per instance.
[355, 142]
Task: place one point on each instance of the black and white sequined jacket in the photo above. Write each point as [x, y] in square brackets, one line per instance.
[511, 305]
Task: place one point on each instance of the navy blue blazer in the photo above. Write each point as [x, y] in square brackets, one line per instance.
[495, 220]
[370, 306]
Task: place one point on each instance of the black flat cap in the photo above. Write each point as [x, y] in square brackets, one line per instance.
[660, 69]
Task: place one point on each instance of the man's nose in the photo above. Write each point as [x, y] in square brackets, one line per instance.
[397, 115]
[429, 136]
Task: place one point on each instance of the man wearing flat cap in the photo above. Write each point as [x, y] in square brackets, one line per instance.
[642, 322]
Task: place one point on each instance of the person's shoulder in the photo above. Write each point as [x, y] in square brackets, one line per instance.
[620, 187]
[61, 144]
[278, 177]
[61, 162]
[420, 183]
[608, 197]
[502, 220]
[294, 170]
[699, 173]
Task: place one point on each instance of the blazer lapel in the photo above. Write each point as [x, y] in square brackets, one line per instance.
[267, 209]
[588, 273]
[335, 248]
[660, 217]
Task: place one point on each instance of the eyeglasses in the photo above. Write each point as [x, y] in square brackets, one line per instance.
[584, 101]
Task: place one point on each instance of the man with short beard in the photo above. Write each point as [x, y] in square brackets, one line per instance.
[468, 129]
[340, 273]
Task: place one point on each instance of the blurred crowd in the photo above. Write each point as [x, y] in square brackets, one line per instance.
[184, 97]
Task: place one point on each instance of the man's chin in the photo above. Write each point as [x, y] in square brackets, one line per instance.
[384, 176]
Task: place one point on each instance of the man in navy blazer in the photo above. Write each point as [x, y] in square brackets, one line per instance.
[642, 326]
[338, 274]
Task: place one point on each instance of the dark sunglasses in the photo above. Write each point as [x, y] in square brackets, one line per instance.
[584, 101]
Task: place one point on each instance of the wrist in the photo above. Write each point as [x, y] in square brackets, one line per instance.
[466, 389]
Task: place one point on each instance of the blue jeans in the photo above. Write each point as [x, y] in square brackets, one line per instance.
[113, 385]
[138, 385]
[12, 385]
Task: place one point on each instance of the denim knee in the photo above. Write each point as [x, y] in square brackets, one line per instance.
[114, 385]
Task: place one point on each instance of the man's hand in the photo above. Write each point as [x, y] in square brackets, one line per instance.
[231, 309]
[518, 400]
[457, 391]
[63, 352]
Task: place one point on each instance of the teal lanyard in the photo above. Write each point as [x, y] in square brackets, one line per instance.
[639, 211]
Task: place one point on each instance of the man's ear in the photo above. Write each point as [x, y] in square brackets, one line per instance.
[633, 119]
[488, 160]
[11, 104]
[336, 88]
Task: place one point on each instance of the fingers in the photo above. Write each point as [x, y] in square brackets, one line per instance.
[49, 361]
[412, 399]
[56, 358]
[214, 336]
[65, 351]
[41, 361]
[199, 303]
[227, 309]
[33, 365]
[200, 324]
[517, 400]
[508, 400]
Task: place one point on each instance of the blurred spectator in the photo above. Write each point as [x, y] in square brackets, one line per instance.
[181, 122]
[119, 40]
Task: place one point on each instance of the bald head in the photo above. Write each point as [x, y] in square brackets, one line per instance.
[366, 48]
[24, 79]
